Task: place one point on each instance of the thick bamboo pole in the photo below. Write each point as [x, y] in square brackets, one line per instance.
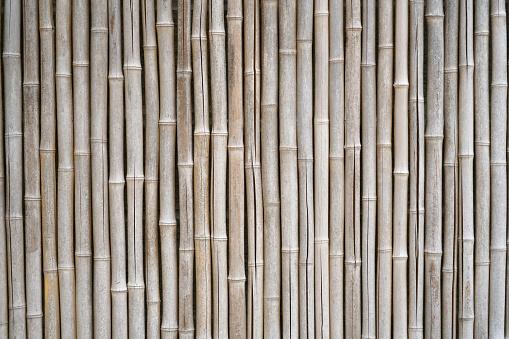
[167, 144]
[32, 169]
[434, 159]
[4, 291]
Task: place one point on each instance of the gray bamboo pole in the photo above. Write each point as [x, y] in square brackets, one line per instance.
[4, 291]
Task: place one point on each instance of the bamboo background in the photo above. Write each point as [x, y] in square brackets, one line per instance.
[254, 168]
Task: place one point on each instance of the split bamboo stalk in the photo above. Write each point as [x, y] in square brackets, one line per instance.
[32, 169]
[400, 251]
[482, 168]
[384, 168]
[305, 168]
[135, 174]
[466, 169]
[99, 162]
[151, 168]
[416, 153]
[321, 169]
[450, 194]
[218, 170]
[13, 163]
[65, 180]
[498, 114]
[4, 284]
[167, 144]
[185, 170]
[368, 74]
[270, 169]
[353, 244]
[119, 312]
[434, 159]
[236, 273]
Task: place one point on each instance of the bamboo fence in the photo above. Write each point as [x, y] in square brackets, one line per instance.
[265, 169]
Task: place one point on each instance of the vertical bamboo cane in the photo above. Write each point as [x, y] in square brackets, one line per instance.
[305, 163]
[31, 111]
[13, 164]
[434, 158]
[4, 291]
[497, 275]
[384, 168]
[167, 144]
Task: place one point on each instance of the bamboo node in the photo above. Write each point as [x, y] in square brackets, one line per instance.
[431, 16]
[219, 134]
[287, 51]
[106, 258]
[13, 135]
[338, 256]
[167, 223]
[385, 46]
[169, 329]
[80, 64]
[352, 147]
[369, 65]
[234, 17]
[498, 15]
[253, 72]
[481, 143]
[502, 249]
[304, 40]
[482, 263]
[186, 249]
[383, 145]
[318, 121]
[165, 24]
[11, 55]
[220, 239]
[401, 85]
[151, 181]
[202, 237]
[150, 47]
[482, 33]
[372, 198]
[433, 137]
[321, 13]
[98, 141]
[135, 286]
[288, 148]
[49, 270]
[450, 70]
[217, 33]
[116, 77]
[256, 264]
[412, 211]
[336, 157]
[433, 253]
[199, 38]
[63, 75]
[13, 218]
[336, 60]
[34, 316]
[239, 279]
[290, 250]
[385, 250]
[321, 241]
[46, 29]
[134, 178]
[99, 30]
[65, 268]
[81, 153]
[499, 84]
[31, 84]
[128, 67]
[353, 263]
[47, 150]
[18, 307]
[400, 258]
[83, 254]
[167, 123]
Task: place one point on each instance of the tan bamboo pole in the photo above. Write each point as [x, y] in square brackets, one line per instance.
[434, 159]
[32, 169]
[498, 115]
[384, 168]
[321, 169]
[449, 264]
[167, 144]
[218, 169]
[236, 273]
[185, 170]
[305, 168]
[11, 55]
[4, 291]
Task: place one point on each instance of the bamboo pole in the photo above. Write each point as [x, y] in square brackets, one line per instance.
[167, 144]
[305, 168]
[498, 114]
[135, 174]
[434, 159]
[32, 169]
[4, 265]
[384, 168]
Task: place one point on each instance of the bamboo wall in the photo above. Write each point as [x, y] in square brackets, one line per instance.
[256, 168]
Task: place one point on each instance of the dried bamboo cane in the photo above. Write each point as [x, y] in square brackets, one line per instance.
[167, 144]
[4, 291]
[434, 159]
[384, 168]
[368, 73]
[135, 174]
[185, 170]
[400, 251]
[32, 169]
[305, 169]
[13, 164]
[498, 114]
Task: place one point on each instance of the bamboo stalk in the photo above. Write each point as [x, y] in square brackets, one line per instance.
[167, 144]
[32, 169]
[498, 114]
[4, 265]
[305, 170]
[135, 174]
[434, 159]
[384, 168]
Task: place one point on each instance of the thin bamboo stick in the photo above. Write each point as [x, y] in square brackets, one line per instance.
[434, 159]
[4, 265]
[167, 144]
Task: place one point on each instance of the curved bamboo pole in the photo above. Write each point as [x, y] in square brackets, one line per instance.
[4, 291]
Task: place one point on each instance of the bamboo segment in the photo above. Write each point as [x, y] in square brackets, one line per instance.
[498, 114]
[384, 168]
[4, 283]
[434, 159]
[167, 144]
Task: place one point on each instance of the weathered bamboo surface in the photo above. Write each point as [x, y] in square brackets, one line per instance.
[254, 169]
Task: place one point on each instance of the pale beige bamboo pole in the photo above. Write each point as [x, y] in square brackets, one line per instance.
[167, 144]
[4, 291]
[11, 55]
[236, 273]
[185, 170]
[32, 169]
[305, 167]
[498, 115]
[65, 179]
[466, 169]
[218, 169]
[384, 168]
[434, 159]
[119, 313]
[321, 166]
[135, 174]
[400, 251]
[369, 201]
[449, 264]
[482, 167]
